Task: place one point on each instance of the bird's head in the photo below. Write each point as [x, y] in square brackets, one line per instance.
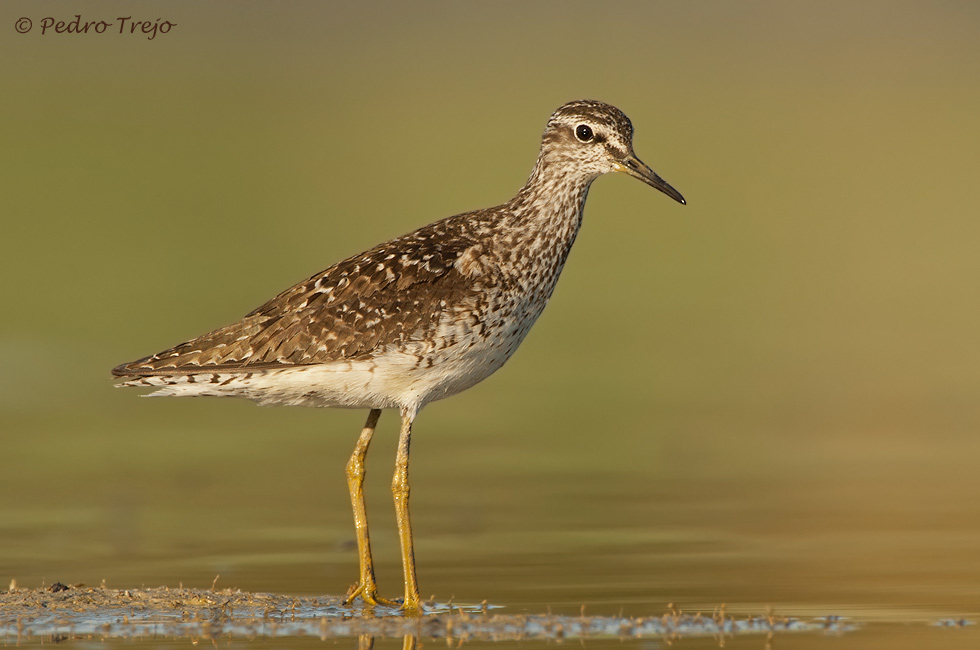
[594, 138]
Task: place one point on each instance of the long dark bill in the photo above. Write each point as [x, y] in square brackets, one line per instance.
[638, 169]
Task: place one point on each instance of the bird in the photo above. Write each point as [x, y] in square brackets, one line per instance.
[412, 320]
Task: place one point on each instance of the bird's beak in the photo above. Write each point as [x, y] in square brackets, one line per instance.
[638, 169]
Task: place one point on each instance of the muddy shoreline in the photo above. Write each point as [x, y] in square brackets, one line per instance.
[62, 612]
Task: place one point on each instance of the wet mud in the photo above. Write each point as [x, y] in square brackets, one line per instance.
[62, 612]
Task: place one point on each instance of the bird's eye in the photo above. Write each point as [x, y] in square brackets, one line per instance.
[584, 133]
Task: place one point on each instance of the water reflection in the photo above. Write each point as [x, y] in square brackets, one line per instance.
[366, 642]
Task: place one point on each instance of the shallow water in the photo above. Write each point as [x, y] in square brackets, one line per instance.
[270, 513]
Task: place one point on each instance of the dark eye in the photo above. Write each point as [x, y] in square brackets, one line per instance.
[583, 132]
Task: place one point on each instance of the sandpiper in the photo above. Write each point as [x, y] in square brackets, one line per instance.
[415, 319]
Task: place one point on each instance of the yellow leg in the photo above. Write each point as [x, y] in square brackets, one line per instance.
[366, 587]
[400, 490]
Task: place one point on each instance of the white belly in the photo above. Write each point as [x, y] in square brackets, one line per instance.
[409, 376]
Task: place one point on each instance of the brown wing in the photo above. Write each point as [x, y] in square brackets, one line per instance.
[389, 294]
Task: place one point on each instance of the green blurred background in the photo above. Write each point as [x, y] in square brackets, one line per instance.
[769, 396]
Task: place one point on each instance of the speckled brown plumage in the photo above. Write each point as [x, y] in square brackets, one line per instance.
[348, 311]
[415, 319]
[479, 270]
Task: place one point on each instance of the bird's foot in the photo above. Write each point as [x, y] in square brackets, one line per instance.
[369, 595]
